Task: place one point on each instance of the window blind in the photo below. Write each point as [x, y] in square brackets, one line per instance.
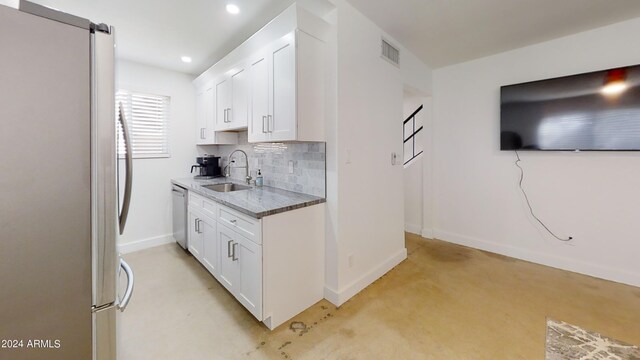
[147, 117]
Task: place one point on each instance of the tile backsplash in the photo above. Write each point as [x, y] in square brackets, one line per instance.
[308, 159]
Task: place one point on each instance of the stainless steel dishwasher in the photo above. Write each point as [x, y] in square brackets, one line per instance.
[179, 195]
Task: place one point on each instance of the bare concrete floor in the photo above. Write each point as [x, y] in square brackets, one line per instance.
[444, 302]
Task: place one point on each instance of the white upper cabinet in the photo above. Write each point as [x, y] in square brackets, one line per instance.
[223, 102]
[232, 100]
[287, 96]
[282, 100]
[201, 118]
[272, 85]
[239, 113]
[206, 119]
[259, 109]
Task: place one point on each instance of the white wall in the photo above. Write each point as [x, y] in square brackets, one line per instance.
[590, 196]
[365, 224]
[149, 220]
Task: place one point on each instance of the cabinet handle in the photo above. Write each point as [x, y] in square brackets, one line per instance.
[234, 221]
[269, 123]
[197, 225]
[229, 248]
[264, 119]
[202, 133]
[225, 116]
[229, 115]
[233, 253]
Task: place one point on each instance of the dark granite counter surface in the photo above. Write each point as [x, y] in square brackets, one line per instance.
[256, 202]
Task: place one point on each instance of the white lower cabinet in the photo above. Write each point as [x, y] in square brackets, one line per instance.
[273, 266]
[241, 269]
[196, 243]
[249, 281]
[210, 256]
[203, 238]
[229, 269]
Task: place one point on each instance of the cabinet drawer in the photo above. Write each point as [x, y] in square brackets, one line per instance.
[244, 225]
[208, 207]
[196, 200]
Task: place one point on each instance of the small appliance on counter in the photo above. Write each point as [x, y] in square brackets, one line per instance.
[208, 167]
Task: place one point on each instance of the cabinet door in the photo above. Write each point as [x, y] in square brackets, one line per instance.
[201, 117]
[238, 113]
[195, 235]
[223, 89]
[259, 103]
[282, 123]
[210, 112]
[209, 245]
[248, 288]
[229, 269]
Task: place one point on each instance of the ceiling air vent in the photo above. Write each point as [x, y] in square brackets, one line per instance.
[390, 53]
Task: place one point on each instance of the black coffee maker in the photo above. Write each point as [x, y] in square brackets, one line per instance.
[208, 167]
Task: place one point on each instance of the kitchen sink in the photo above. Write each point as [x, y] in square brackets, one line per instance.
[226, 187]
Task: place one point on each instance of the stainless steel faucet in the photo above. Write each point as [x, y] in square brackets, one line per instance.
[246, 166]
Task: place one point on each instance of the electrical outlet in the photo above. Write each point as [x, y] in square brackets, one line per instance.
[290, 166]
[348, 157]
[350, 259]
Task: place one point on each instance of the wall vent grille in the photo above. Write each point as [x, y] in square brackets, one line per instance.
[390, 53]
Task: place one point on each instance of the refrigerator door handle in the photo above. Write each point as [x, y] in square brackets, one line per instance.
[122, 303]
[129, 168]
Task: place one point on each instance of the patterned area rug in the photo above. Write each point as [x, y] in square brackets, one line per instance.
[569, 342]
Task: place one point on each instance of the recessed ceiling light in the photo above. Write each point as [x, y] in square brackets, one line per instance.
[233, 9]
[186, 59]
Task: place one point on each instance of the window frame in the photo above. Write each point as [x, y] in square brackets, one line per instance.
[129, 92]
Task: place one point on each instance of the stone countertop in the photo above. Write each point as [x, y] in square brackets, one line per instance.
[256, 202]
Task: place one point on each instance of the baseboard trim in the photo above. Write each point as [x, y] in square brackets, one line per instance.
[427, 233]
[413, 229]
[557, 262]
[145, 243]
[340, 297]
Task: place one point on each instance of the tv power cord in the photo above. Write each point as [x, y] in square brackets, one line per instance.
[517, 163]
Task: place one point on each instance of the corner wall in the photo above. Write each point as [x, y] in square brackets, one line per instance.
[150, 220]
[590, 196]
[365, 224]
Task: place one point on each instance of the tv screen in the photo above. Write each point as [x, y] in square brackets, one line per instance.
[593, 111]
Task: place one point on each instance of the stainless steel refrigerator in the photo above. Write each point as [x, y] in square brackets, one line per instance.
[60, 215]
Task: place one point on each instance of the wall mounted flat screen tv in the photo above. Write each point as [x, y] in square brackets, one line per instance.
[596, 111]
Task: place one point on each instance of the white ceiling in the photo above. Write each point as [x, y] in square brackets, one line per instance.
[440, 32]
[445, 32]
[159, 32]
